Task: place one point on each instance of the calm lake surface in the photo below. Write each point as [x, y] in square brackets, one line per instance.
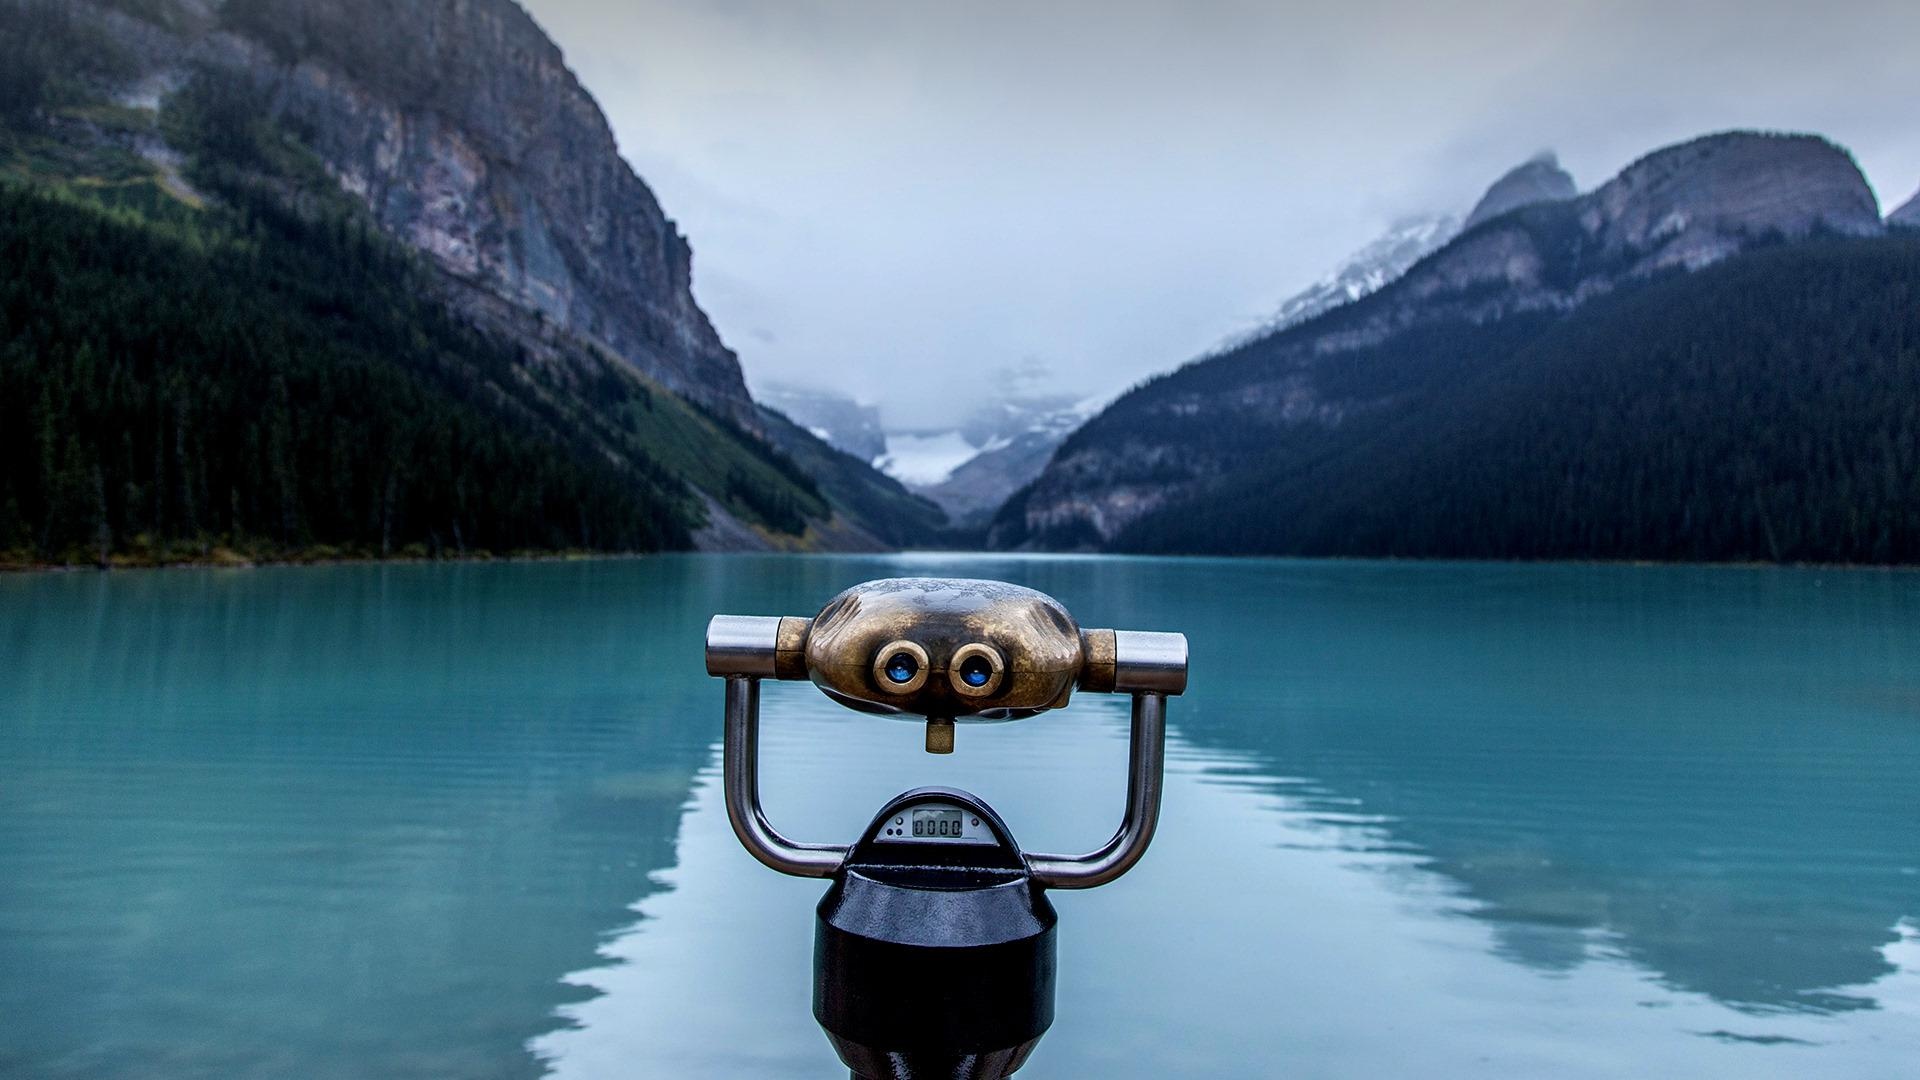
[1421, 821]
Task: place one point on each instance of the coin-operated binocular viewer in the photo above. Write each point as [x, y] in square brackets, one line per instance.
[934, 950]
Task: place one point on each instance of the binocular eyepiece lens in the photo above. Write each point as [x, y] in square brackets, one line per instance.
[902, 667]
[976, 671]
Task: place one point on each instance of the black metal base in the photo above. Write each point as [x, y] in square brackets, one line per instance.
[934, 962]
[992, 1066]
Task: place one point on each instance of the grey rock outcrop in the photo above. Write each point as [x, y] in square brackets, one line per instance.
[1692, 204]
[1537, 180]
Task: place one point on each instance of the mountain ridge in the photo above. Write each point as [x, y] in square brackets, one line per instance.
[1907, 214]
[1410, 239]
[1677, 209]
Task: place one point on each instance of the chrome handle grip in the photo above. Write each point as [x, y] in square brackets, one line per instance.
[742, 645]
[1149, 662]
[760, 646]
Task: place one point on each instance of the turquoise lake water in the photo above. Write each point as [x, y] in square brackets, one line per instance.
[1421, 821]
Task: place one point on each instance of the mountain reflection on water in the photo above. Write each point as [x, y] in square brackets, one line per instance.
[332, 822]
[1422, 819]
[1714, 767]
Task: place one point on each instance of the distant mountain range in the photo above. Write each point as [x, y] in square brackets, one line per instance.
[340, 179]
[1708, 357]
[969, 467]
[1010, 443]
[972, 466]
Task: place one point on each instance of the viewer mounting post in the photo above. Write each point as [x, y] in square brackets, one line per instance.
[934, 948]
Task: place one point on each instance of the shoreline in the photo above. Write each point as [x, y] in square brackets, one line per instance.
[235, 561]
[226, 559]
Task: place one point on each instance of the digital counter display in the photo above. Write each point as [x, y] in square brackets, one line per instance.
[936, 823]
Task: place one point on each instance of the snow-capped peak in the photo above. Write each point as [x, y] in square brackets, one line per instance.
[1367, 270]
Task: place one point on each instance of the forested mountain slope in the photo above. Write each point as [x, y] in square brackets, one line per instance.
[227, 335]
[1765, 409]
[271, 386]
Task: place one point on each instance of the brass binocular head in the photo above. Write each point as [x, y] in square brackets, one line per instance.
[946, 649]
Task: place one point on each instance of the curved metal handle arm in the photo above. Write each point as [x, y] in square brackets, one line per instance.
[740, 774]
[1146, 756]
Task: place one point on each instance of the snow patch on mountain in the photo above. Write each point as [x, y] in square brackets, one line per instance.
[1406, 242]
[921, 459]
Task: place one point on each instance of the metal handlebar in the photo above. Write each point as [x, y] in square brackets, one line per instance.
[740, 772]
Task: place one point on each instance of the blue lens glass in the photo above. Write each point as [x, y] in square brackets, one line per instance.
[902, 667]
[976, 671]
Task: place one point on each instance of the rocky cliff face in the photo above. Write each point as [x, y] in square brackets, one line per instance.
[1535, 181]
[1681, 208]
[460, 127]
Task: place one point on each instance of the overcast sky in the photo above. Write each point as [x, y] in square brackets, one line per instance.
[895, 198]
